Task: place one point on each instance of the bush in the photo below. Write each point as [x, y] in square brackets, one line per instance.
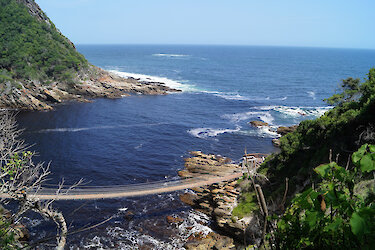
[332, 215]
[32, 49]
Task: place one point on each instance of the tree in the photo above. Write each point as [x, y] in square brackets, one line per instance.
[351, 91]
[20, 180]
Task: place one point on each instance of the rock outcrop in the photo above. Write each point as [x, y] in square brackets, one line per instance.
[285, 130]
[276, 142]
[44, 68]
[259, 124]
[211, 241]
[216, 200]
[33, 95]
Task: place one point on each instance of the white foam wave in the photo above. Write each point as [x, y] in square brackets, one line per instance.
[147, 78]
[293, 111]
[170, 55]
[53, 130]
[205, 133]
[131, 238]
[228, 96]
[238, 117]
[312, 94]
[302, 111]
[263, 131]
[238, 97]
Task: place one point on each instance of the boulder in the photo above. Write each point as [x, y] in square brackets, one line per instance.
[51, 96]
[276, 142]
[129, 215]
[219, 212]
[174, 220]
[21, 233]
[285, 130]
[259, 124]
[188, 199]
[184, 174]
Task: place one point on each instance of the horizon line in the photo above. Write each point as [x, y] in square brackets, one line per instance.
[224, 45]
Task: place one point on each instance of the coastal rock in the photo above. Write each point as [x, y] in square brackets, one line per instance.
[188, 199]
[33, 95]
[21, 233]
[211, 241]
[285, 130]
[276, 142]
[259, 124]
[129, 215]
[185, 174]
[51, 96]
[174, 220]
[217, 200]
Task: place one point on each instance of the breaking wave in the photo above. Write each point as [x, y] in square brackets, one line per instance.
[205, 133]
[238, 117]
[56, 130]
[238, 97]
[291, 111]
[264, 132]
[147, 78]
[170, 55]
[131, 238]
[312, 94]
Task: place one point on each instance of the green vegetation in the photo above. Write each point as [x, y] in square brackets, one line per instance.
[7, 240]
[333, 215]
[247, 205]
[336, 205]
[33, 49]
[342, 130]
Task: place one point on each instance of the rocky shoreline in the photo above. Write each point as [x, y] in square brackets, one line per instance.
[33, 95]
[218, 202]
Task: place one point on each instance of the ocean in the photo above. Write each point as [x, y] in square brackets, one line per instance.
[139, 139]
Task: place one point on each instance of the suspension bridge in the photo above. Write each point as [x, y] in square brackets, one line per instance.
[142, 189]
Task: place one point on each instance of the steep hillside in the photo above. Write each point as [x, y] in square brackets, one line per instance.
[39, 66]
[342, 131]
[31, 46]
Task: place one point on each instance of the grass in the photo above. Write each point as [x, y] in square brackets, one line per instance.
[246, 206]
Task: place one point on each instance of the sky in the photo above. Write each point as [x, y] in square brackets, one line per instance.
[318, 23]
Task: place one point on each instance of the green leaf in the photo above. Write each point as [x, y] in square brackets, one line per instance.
[334, 225]
[358, 224]
[357, 156]
[367, 163]
[311, 218]
[323, 170]
[372, 148]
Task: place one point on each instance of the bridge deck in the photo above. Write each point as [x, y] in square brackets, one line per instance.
[87, 193]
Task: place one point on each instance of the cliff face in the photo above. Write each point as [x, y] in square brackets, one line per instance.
[39, 66]
[35, 10]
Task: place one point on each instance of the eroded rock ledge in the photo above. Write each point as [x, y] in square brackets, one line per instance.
[217, 200]
[33, 95]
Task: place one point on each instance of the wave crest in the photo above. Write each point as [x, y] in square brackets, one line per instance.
[204, 133]
[170, 55]
[148, 78]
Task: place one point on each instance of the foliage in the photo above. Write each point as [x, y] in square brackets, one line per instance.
[33, 49]
[350, 90]
[343, 129]
[332, 215]
[247, 204]
[20, 179]
[7, 240]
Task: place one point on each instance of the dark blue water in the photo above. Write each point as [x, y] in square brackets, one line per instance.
[144, 138]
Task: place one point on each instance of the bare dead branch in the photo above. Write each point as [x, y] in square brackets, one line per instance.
[21, 178]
